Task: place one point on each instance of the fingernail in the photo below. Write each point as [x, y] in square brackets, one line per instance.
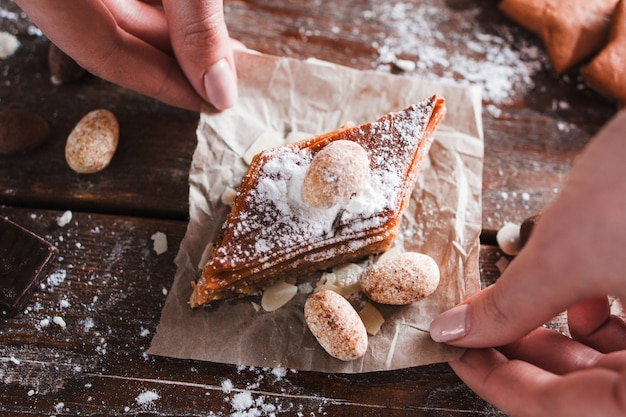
[451, 325]
[220, 85]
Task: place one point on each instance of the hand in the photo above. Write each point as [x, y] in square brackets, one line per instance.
[575, 258]
[179, 53]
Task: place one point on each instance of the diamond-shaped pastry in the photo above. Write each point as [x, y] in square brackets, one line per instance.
[272, 232]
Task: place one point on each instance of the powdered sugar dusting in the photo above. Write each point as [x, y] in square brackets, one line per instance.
[275, 218]
[491, 57]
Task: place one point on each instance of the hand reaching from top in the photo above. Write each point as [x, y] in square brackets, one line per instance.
[179, 53]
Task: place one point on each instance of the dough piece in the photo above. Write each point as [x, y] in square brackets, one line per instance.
[572, 30]
[606, 72]
[271, 233]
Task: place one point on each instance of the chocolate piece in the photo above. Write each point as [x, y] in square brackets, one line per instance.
[24, 258]
[526, 228]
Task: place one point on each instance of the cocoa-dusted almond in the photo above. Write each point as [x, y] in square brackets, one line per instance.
[92, 143]
[336, 325]
[336, 172]
[21, 130]
[401, 279]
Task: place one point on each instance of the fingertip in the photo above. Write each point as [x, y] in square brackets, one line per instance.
[450, 325]
[220, 84]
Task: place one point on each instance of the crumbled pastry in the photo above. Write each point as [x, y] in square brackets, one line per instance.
[605, 73]
[572, 30]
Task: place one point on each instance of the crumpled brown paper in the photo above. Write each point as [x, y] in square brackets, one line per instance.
[442, 220]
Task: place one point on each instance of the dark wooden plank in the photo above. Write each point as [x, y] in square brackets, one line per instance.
[108, 286]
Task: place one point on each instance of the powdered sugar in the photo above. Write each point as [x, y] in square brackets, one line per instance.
[491, 57]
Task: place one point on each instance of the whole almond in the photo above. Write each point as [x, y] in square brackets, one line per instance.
[92, 143]
[21, 131]
[336, 172]
[336, 325]
[401, 279]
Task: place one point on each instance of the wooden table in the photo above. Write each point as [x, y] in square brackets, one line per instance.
[109, 286]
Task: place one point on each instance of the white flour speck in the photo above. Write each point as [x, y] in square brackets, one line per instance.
[227, 386]
[147, 397]
[160, 242]
[59, 321]
[64, 219]
[56, 278]
[8, 45]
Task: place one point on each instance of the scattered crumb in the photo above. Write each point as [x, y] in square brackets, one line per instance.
[405, 65]
[227, 386]
[59, 321]
[56, 278]
[8, 45]
[160, 242]
[64, 219]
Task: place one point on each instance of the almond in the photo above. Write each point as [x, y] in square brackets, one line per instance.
[401, 279]
[336, 325]
[336, 172]
[92, 143]
[21, 131]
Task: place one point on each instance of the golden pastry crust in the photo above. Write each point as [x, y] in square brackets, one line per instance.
[605, 73]
[271, 234]
[571, 30]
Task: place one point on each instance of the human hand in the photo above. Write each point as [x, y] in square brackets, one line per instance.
[179, 53]
[574, 260]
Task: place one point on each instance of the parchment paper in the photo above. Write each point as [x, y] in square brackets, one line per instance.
[442, 220]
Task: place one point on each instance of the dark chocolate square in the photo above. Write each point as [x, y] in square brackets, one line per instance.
[24, 258]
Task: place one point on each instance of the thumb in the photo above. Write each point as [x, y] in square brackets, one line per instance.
[203, 49]
[520, 301]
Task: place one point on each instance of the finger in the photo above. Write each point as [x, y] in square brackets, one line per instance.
[591, 323]
[203, 49]
[520, 301]
[522, 389]
[143, 21]
[90, 35]
[552, 351]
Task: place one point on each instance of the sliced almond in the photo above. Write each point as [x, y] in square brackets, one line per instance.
[372, 319]
[265, 141]
[277, 296]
